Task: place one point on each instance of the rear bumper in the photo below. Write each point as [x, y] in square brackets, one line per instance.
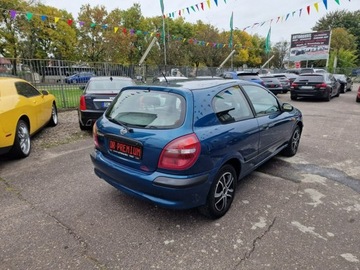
[88, 117]
[165, 190]
[310, 93]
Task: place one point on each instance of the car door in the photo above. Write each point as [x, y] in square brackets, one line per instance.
[32, 105]
[239, 129]
[275, 127]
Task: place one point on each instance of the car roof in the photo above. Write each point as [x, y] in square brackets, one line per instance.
[247, 73]
[105, 78]
[189, 85]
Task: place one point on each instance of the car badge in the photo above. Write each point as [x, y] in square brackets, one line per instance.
[123, 131]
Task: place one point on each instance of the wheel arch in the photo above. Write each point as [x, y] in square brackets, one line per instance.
[236, 164]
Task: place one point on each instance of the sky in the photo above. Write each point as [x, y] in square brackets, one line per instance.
[285, 17]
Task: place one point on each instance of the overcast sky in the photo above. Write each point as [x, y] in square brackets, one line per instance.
[257, 15]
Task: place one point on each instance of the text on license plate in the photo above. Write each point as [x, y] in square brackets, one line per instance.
[125, 149]
[306, 87]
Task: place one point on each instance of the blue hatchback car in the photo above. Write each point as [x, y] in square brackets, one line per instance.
[186, 145]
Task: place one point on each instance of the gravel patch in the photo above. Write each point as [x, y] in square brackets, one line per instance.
[67, 130]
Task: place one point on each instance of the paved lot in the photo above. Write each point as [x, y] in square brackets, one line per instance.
[292, 213]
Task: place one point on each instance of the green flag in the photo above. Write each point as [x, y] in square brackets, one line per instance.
[267, 42]
[162, 6]
[231, 30]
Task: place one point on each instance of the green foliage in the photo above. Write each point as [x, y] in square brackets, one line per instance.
[347, 20]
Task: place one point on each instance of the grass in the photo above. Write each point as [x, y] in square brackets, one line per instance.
[67, 96]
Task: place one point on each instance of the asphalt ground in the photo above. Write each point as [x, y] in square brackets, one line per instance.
[292, 213]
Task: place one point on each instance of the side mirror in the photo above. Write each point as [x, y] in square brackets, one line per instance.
[44, 92]
[286, 107]
[82, 87]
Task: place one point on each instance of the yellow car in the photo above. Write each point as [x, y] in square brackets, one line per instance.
[24, 110]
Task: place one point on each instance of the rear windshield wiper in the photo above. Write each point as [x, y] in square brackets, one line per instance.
[124, 125]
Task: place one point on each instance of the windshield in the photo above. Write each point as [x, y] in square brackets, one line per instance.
[148, 109]
[113, 86]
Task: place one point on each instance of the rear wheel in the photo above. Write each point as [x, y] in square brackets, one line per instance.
[293, 97]
[328, 96]
[293, 145]
[221, 194]
[22, 144]
[54, 116]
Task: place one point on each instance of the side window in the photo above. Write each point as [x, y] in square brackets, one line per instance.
[263, 102]
[230, 105]
[26, 90]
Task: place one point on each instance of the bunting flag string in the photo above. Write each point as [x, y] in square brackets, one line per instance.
[194, 8]
[200, 7]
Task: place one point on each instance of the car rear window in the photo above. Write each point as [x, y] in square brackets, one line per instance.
[113, 86]
[310, 78]
[147, 109]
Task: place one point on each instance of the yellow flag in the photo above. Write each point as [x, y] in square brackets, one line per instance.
[56, 19]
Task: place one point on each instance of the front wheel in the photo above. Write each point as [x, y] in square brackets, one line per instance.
[221, 194]
[22, 144]
[293, 145]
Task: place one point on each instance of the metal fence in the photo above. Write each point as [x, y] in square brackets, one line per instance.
[51, 74]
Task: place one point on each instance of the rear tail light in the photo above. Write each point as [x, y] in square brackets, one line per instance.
[321, 86]
[82, 103]
[294, 85]
[181, 153]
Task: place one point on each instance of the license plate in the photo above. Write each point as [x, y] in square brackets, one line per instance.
[306, 87]
[125, 149]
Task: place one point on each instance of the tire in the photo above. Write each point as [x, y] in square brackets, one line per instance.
[22, 142]
[82, 127]
[328, 97]
[293, 145]
[54, 119]
[293, 97]
[343, 89]
[221, 193]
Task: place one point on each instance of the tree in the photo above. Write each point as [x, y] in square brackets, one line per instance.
[280, 52]
[342, 19]
[92, 43]
[10, 32]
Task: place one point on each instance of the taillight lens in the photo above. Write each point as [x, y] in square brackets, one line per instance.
[321, 86]
[82, 103]
[181, 153]
[294, 85]
[95, 135]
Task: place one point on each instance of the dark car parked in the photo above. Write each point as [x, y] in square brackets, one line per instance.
[81, 77]
[251, 77]
[97, 96]
[187, 144]
[246, 76]
[315, 85]
[358, 95]
[273, 84]
[342, 79]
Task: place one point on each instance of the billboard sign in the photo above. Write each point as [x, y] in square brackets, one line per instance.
[310, 46]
